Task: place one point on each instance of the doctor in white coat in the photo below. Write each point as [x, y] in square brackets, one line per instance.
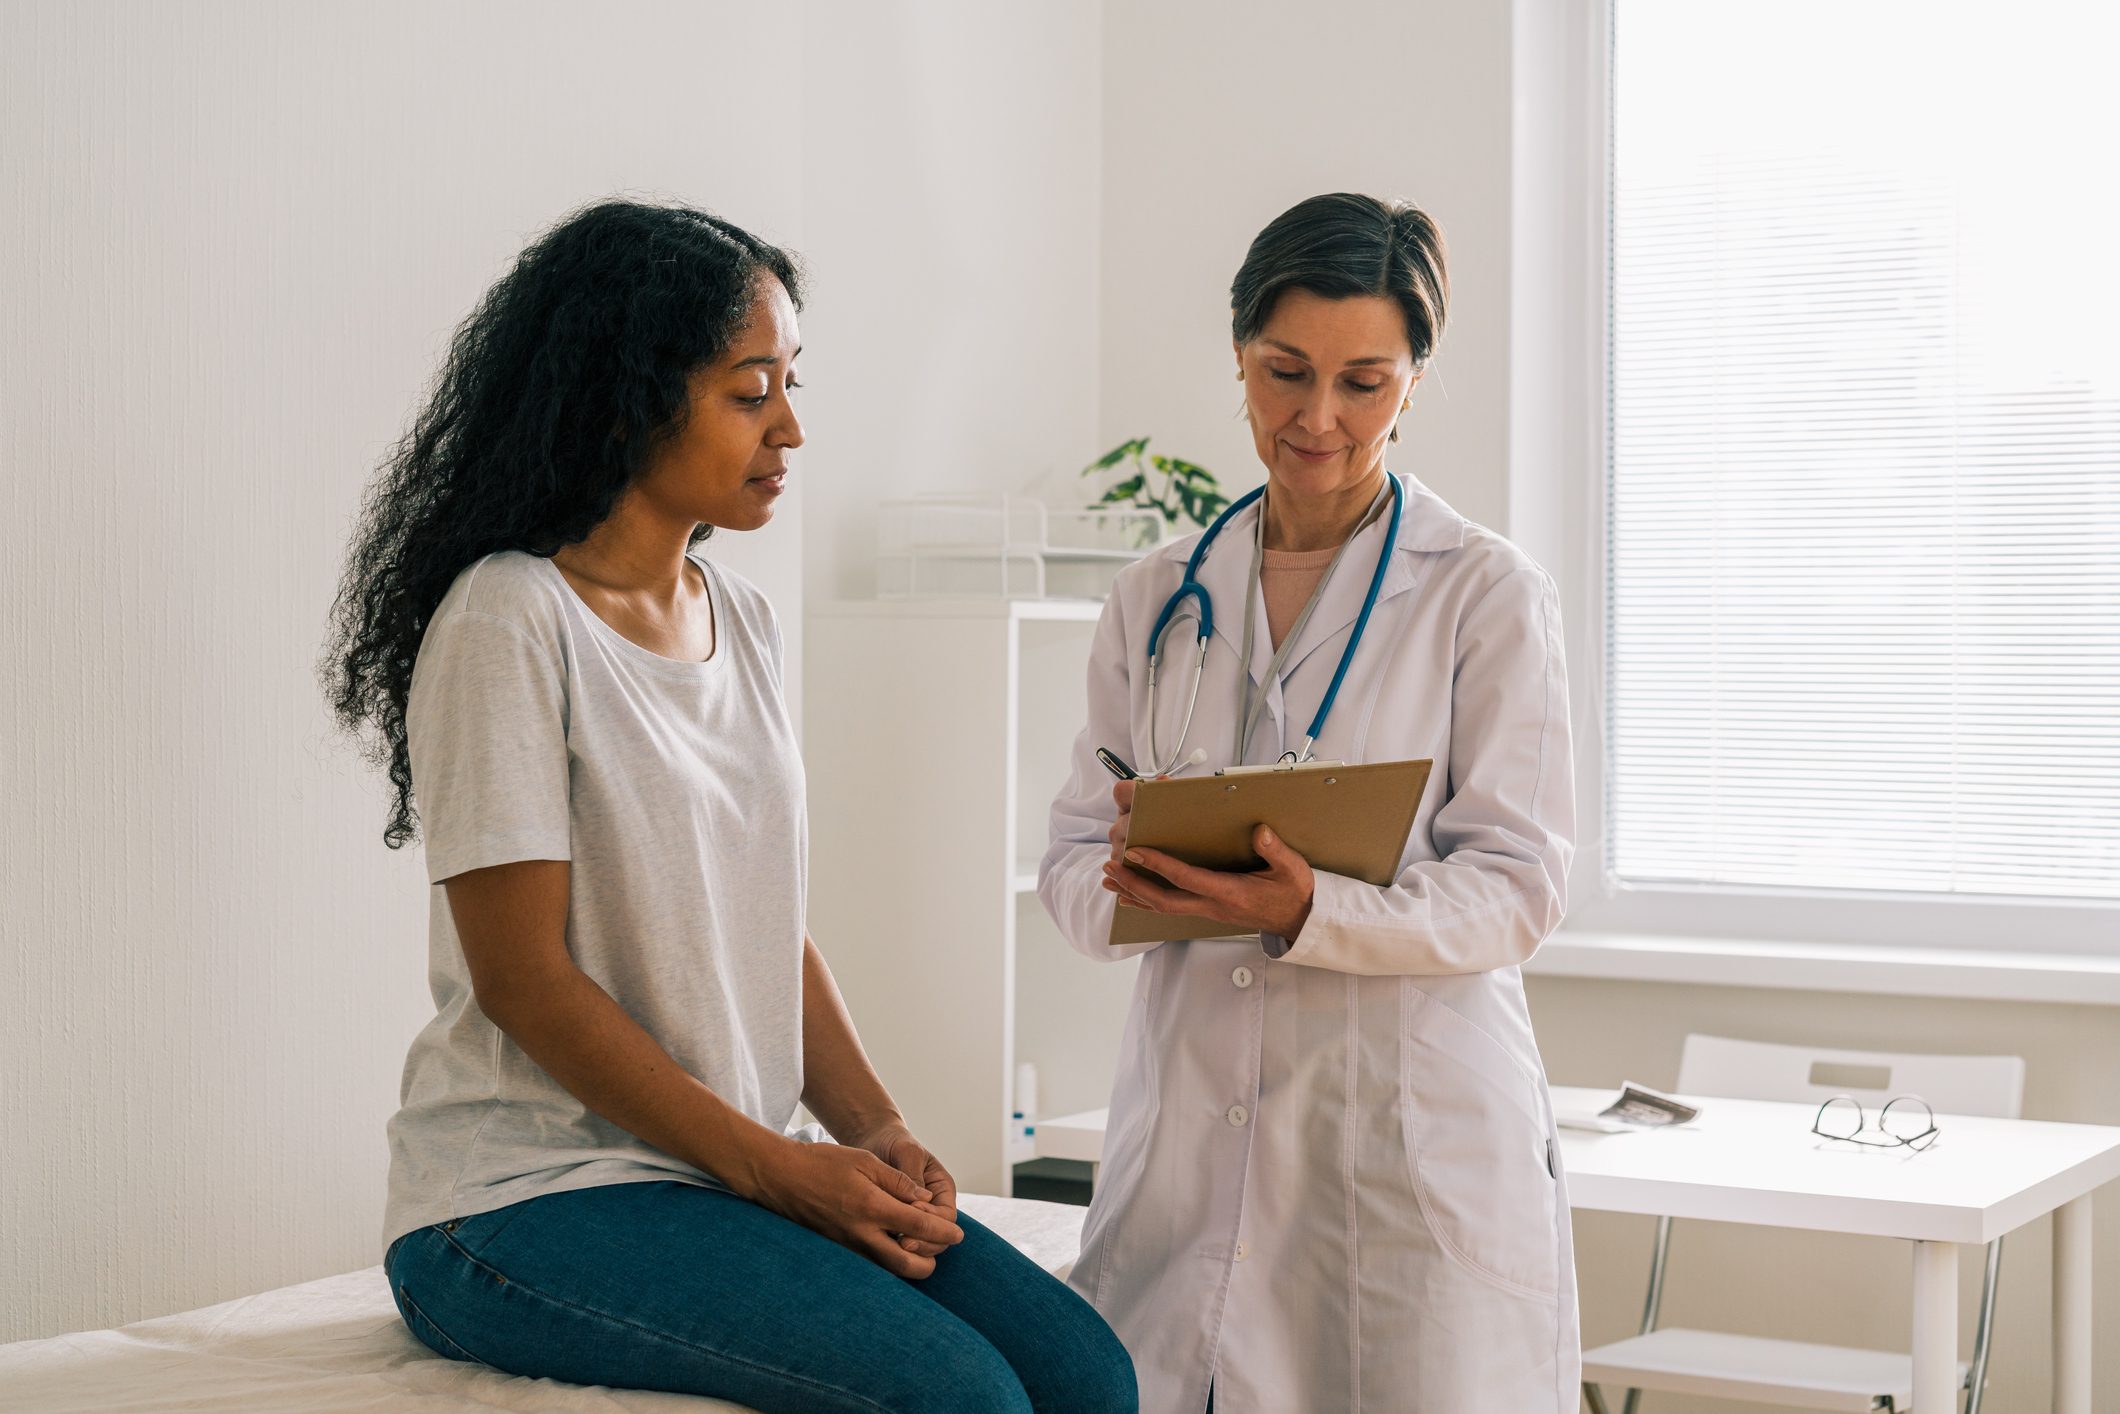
[1330, 1181]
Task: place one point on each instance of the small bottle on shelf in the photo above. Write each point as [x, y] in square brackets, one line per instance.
[1023, 1119]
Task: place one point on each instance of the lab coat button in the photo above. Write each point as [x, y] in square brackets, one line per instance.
[1242, 977]
[1238, 1115]
[1242, 1251]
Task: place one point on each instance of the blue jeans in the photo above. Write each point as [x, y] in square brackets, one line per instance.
[669, 1286]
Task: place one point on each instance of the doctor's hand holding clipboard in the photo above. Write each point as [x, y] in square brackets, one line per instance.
[1274, 899]
[1330, 1178]
[1239, 852]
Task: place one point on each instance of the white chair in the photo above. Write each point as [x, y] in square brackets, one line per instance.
[1788, 1372]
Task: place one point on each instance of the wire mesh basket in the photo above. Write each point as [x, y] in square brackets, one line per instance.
[1007, 547]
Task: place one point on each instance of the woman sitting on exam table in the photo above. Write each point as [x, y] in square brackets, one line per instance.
[1330, 1178]
[592, 1176]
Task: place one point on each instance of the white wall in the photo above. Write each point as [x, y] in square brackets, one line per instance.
[1218, 117]
[234, 238]
[950, 159]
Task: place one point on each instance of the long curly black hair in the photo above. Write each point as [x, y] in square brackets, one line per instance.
[556, 392]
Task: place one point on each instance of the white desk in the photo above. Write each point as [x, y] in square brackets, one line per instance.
[1079, 1137]
[1751, 1161]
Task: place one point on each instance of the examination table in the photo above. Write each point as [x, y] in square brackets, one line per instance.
[337, 1345]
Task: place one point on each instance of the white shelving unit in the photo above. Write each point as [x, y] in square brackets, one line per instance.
[936, 732]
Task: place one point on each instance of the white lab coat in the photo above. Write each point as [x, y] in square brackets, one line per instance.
[1330, 1180]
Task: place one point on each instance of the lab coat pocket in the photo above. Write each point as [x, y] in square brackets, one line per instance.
[1476, 1147]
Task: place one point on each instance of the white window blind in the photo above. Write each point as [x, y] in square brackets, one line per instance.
[1863, 609]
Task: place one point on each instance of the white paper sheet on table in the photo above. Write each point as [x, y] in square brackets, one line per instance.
[1620, 1115]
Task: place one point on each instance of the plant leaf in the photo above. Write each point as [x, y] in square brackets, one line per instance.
[1129, 448]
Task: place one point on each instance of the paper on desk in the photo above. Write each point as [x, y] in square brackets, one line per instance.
[1638, 1107]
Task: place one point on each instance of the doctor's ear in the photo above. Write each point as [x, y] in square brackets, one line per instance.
[1404, 404]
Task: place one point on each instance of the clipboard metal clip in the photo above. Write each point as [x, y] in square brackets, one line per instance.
[1284, 764]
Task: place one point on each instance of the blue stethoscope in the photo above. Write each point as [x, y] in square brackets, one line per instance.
[1191, 588]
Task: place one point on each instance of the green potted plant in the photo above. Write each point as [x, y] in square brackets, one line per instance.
[1186, 493]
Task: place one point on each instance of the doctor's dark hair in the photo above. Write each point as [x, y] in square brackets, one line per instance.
[1342, 245]
[554, 394]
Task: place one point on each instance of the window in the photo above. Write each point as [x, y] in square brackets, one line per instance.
[1862, 555]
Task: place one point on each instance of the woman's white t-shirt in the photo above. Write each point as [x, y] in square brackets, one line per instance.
[538, 731]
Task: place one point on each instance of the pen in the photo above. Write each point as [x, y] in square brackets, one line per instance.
[1113, 764]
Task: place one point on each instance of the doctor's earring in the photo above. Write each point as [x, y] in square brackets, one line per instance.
[1395, 422]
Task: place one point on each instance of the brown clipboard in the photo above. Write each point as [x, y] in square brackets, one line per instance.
[1350, 820]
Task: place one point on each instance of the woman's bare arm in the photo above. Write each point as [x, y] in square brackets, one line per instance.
[511, 921]
[842, 1089]
[839, 1085]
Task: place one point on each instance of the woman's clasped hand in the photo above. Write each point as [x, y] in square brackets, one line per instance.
[891, 1200]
